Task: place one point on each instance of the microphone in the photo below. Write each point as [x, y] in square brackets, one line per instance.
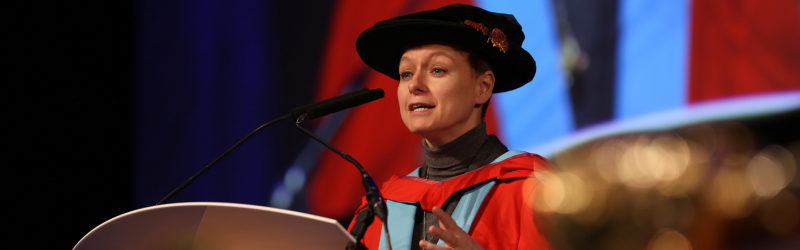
[297, 112]
[322, 108]
[345, 102]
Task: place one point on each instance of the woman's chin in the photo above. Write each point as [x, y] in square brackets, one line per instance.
[419, 129]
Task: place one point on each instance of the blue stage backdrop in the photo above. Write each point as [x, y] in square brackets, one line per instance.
[207, 73]
[203, 82]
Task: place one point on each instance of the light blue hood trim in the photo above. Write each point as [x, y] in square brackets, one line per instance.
[402, 214]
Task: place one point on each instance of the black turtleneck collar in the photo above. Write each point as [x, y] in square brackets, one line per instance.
[453, 158]
[472, 150]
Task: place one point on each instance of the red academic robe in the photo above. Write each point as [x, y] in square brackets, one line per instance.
[506, 218]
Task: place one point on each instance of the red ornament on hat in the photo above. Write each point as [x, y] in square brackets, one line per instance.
[498, 39]
[477, 26]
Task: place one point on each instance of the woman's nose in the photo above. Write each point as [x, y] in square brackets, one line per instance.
[417, 84]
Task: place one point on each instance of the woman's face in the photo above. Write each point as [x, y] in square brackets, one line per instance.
[439, 94]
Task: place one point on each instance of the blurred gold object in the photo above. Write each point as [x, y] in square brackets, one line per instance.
[730, 195]
[781, 214]
[771, 170]
[566, 193]
[668, 239]
[655, 190]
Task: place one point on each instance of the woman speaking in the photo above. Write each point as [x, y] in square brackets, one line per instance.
[471, 192]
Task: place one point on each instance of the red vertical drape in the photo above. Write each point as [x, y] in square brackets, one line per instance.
[743, 47]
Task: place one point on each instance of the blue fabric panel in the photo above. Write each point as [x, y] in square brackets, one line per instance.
[653, 56]
[507, 155]
[469, 204]
[540, 111]
[401, 222]
[414, 173]
[465, 211]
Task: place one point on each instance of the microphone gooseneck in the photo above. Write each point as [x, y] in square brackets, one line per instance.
[375, 201]
[357, 96]
[377, 205]
[214, 162]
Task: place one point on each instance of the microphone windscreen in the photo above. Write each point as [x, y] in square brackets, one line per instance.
[347, 102]
[297, 112]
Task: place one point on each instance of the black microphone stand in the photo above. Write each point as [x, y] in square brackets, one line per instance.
[191, 179]
[353, 97]
[376, 205]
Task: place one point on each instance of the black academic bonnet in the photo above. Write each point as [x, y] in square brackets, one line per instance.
[497, 37]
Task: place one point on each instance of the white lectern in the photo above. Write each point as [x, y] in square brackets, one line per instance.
[215, 226]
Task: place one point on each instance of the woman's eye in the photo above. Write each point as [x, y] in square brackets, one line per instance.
[438, 71]
[405, 75]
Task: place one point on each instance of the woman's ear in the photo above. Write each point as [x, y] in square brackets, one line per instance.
[485, 86]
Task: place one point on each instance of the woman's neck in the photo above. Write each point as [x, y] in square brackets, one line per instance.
[453, 158]
[442, 137]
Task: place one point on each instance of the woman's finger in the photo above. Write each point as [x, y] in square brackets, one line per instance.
[448, 237]
[430, 246]
[446, 221]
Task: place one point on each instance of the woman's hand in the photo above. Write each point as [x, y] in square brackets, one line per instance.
[450, 233]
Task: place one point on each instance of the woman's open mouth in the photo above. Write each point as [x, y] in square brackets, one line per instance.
[417, 108]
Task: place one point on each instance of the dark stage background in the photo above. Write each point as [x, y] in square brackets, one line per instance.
[67, 84]
[70, 92]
